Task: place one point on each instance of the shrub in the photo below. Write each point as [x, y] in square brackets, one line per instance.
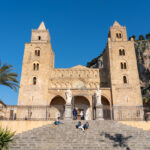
[6, 136]
[133, 36]
[148, 36]
[141, 37]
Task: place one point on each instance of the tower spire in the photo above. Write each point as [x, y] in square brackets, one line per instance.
[116, 24]
[42, 26]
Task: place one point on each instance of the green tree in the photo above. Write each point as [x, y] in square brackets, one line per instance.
[141, 37]
[133, 36]
[7, 77]
[148, 36]
[6, 136]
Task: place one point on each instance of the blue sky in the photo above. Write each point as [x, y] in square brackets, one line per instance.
[78, 29]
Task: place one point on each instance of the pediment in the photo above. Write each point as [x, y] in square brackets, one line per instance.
[79, 67]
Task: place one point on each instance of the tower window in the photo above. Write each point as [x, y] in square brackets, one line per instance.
[125, 66]
[39, 37]
[35, 66]
[118, 35]
[121, 52]
[124, 79]
[121, 64]
[37, 52]
[34, 80]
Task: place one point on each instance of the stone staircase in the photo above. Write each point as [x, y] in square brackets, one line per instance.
[101, 135]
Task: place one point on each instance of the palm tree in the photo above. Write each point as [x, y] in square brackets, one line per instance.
[7, 77]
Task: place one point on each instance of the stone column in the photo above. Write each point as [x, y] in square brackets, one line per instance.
[68, 112]
[99, 106]
[68, 106]
[99, 112]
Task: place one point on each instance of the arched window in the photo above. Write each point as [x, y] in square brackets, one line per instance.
[35, 66]
[118, 35]
[121, 65]
[125, 66]
[124, 79]
[39, 38]
[34, 80]
[120, 52]
[123, 52]
[38, 54]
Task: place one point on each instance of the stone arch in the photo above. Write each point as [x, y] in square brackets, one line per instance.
[82, 104]
[106, 108]
[105, 101]
[57, 107]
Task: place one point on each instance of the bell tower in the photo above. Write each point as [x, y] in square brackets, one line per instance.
[123, 72]
[38, 60]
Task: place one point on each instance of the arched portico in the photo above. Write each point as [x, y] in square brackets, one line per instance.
[81, 103]
[57, 107]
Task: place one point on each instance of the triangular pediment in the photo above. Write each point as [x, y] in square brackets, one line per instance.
[79, 67]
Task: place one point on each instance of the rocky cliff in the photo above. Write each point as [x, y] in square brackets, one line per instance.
[142, 49]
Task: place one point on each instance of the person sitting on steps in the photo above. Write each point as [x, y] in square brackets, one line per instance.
[78, 125]
[86, 126]
[57, 121]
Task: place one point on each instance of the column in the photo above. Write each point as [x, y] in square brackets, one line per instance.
[99, 112]
[99, 106]
[68, 112]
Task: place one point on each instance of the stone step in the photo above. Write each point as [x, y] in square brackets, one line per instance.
[100, 135]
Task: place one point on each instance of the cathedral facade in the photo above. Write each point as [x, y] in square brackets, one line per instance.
[99, 93]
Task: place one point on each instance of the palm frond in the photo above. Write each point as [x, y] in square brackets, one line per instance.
[7, 77]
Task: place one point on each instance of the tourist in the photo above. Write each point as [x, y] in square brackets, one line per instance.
[78, 125]
[57, 121]
[75, 114]
[86, 126]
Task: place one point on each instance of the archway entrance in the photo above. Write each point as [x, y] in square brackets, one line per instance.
[57, 107]
[81, 104]
[106, 108]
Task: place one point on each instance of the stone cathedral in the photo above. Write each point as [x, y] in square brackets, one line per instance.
[112, 87]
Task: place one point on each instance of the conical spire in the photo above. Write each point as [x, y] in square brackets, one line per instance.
[116, 24]
[42, 26]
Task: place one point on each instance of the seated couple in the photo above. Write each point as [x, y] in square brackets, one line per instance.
[82, 127]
